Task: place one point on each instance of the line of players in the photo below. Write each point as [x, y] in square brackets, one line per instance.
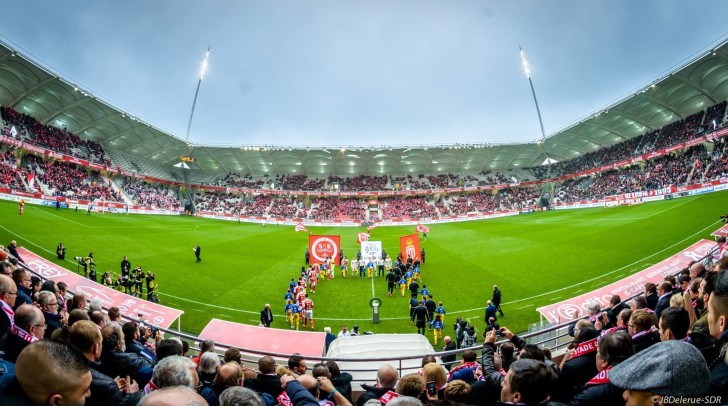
[298, 304]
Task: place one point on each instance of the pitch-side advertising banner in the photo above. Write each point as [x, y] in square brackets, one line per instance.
[721, 232]
[324, 246]
[130, 306]
[410, 246]
[371, 249]
[564, 310]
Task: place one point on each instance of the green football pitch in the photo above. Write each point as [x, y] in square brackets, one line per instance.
[536, 259]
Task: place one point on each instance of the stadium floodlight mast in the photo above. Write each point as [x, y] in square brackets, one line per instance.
[203, 69]
[539, 143]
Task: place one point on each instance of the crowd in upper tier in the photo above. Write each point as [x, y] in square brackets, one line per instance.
[703, 162]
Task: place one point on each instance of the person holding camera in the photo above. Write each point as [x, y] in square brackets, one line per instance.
[61, 251]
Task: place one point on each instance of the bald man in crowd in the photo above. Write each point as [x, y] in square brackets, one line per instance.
[29, 327]
[8, 294]
[65, 377]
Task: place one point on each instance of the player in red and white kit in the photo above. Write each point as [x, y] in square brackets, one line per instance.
[308, 311]
[312, 280]
[300, 297]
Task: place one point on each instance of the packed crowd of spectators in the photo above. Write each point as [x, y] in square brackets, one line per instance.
[667, 170]
[152, 195]
[242, 181]
[9, 172]
[335, 209]
[360, 182]
[53, 138]
[677, 132]
[408, 206]
[72, 180]
[285, 207]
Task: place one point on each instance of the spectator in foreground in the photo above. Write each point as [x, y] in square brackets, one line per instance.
[86, 337]
[613, 349]
[669, 368]
[718, 325]
[29, 328]
[528, 382]
[387, 378]
[267, 381]
[237, 396]
[578, 365]
[173, 371]
[674, 324]
[176, 395]
[640, 327]
[65, 379]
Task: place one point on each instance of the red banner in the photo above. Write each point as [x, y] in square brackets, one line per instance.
[324, 246]
[721, 232]
[410, 246]
[564, 311]
[130, 306]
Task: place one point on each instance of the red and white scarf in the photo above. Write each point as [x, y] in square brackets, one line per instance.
[587, 347]
[150, 387]
[8, 312]
[387, 397]
[601, 378]
[26, 336]
[464, 365]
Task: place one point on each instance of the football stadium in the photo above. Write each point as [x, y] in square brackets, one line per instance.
[140, 265]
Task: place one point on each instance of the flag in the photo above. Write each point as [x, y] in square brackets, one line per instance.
[372, 227]
[324, 246]
[362, 237]
[31, 180]
[410, 246]
[422, 229]
[301, 227]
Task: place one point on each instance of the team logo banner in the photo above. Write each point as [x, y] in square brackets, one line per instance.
[324, 246]
[371, 249]
[410, 246]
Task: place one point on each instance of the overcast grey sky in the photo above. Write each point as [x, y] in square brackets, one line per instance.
[337, 72]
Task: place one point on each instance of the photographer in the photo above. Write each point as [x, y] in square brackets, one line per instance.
[61, 251]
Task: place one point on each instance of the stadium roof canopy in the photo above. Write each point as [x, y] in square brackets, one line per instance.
[29, 87]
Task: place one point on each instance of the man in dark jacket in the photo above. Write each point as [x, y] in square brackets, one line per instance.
[490, 311]
[651, 295]
[450, 345]
[599, 391]
[115, 362]
[497, 297]
[718, 325]
[387, 378]
[578, 364]
[664, 293]
[22, 281]
[640, 328]
[48, 303]
[133, 341]
[85, 336]
[267, 381]
[12, 250]
[266, 316]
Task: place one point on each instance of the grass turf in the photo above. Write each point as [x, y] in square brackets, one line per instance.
[535, 258]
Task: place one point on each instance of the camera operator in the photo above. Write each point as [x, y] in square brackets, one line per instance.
[107, 280]
[61, 251]
[87, 263]
[137, 275]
